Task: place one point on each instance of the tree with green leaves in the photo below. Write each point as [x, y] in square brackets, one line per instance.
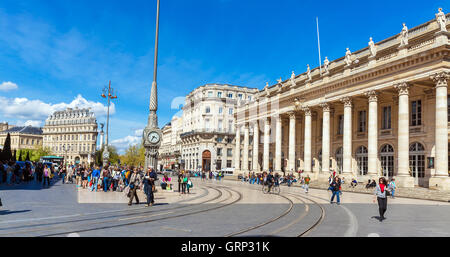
[113, 156]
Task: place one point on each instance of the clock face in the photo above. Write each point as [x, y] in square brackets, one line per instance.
[153, 137]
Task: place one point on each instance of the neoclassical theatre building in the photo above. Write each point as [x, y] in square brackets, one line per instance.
[379, 111]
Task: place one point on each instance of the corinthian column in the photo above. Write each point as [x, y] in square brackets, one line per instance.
[266, 145]
[441, 179]
[326, 138]
[347, 141]
[404, 178]
[372, 133]
[291, 163]
[255, 146]
[237, 151]
[246, 143]
[278, 144]
[307, 153]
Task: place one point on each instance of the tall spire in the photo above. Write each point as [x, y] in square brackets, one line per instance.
[153, 98]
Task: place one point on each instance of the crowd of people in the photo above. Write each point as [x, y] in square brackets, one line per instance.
[14, 173]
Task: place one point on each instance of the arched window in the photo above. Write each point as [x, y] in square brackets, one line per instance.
[417, 161]
[387, 160]
[339, 160]
[362, 160]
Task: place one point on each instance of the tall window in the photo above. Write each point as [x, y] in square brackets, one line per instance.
[339, 159]
[230, 95]
[362, 121]
[240, 96]
[208, 109]
[230, 111]
[220, 125]
[387, 160]
[219, 151]
[362, 159]
[207, 124]
[210, 93]
[229, 152]
[219, 94]
[341, 125]
[416, 113]
[386, 122]
[220, 110]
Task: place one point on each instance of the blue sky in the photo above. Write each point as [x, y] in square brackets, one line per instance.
[59, 53]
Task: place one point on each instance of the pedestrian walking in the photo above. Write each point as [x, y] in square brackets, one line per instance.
[392, 188]
[94, 179]
[134, 183]
[381, 196]
[149, 185]
[307, 180]
[335, 190]
[46, 175]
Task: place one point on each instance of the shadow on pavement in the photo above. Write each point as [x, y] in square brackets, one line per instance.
[6, 212]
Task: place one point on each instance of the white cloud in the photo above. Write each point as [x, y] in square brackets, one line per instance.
[124, 143]
[26, 109]
[33, 123]
[7, 86]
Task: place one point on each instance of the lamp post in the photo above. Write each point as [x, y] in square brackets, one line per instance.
[108, 92]
[65, 156]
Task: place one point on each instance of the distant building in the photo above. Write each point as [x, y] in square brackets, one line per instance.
[208, 126]
[170, 150]
[22, 137]
[5, 126]
[72, 134]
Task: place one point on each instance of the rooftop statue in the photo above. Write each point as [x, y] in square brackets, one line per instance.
[348, 57]
[293, 79]
[266, 89]
[441, 20]
[372, 48]
[326, 63]
[404, 36]
[308, 72]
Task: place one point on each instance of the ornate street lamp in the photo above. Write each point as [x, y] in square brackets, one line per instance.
[108, 93]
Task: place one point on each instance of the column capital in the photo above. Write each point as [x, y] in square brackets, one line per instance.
[403, 88]
[347, 101]
[441, 78]
[307, 110]
[372, 95]
[326, 107]
[291, 115]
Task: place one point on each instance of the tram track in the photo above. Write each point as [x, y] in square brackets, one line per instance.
[131, 213]
[316, 223]
[141, 219]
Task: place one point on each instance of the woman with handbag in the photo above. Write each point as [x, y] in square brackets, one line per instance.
[134, 182]
[381, 193]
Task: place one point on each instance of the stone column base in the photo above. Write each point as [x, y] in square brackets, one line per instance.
[404, 181]
[323, 177]
[440, 183]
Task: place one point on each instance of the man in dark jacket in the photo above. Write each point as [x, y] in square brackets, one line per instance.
[149, 182]
[335, 188]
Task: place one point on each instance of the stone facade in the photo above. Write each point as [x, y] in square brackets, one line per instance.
[382, 111]
[22, 137]
[72, 134]
[208, 126]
